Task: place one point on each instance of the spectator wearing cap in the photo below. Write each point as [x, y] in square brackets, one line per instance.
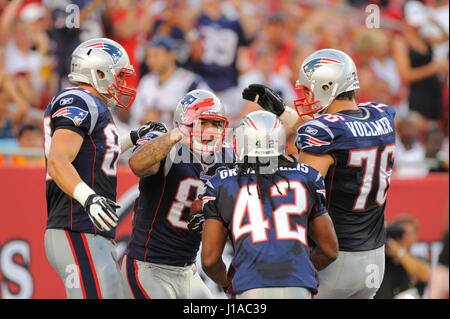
[161, 89]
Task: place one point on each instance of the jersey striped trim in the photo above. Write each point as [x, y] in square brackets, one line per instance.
[132, 269]
[82, 255]
[154, 218]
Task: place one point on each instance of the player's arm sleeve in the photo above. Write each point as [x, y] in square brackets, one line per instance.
[316, 137]
[209, 202]
[318, 194]
[75, 113]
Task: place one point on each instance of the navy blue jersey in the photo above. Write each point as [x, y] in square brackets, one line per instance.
[160, 232]
[362, 144]
[221, 39]
[80, 111]
[270, 243]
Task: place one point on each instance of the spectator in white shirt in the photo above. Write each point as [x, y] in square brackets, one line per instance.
[160, 90]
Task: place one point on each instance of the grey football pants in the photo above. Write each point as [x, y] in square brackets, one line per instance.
[353, 275]
[145, 280]
[86, 263]
[275, 293]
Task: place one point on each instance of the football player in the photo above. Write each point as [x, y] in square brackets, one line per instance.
[173, 167]
[82, 146]
[352, 146]
[266, 205]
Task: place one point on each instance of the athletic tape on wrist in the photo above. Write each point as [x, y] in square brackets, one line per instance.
[82, 192]
[289, 117]
[126, 142]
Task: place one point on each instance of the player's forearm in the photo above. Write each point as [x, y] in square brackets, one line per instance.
[320, 260]
[217, 272]
[64, 174]
[145, 160]
[420, 269]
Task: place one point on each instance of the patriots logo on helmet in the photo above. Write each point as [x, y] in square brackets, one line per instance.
[188, 100]
[74, 113]
[112, 50]
[314, 64]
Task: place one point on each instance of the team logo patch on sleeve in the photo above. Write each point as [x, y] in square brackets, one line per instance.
[74, 113]
[206, 199]
[308, 141]
[322, 191]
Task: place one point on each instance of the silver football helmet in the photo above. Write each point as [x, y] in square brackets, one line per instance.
[260, 134]
[204, 139]
[323, 76]
[105, 65]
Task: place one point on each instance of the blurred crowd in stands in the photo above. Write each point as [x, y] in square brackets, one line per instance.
[179, 45]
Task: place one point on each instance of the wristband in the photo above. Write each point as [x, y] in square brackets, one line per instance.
[289, 117]
[126, 142]
[82, 192]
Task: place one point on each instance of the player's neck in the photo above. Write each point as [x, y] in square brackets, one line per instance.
[342, 105]
[93, 91]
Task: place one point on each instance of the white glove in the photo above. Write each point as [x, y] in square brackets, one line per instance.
[101, 211]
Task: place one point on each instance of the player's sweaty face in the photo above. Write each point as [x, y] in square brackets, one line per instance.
[209, 130]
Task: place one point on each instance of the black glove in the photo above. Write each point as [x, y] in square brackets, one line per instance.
[101, 211]
[268, 99]
[196, 222]
[150, 126]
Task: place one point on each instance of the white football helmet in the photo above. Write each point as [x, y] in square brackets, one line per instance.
[210, 139]
[323, 76]
[260, 134]
[105, 65]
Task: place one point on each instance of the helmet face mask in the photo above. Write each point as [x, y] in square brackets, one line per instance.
[208, 132]
[104, 64]
[305, 103]
[123, 95]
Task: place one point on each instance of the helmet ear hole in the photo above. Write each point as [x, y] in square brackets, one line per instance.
[100, 74]
[327, 86]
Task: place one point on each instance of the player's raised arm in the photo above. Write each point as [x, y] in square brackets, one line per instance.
[146, 159]
[270, 101]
